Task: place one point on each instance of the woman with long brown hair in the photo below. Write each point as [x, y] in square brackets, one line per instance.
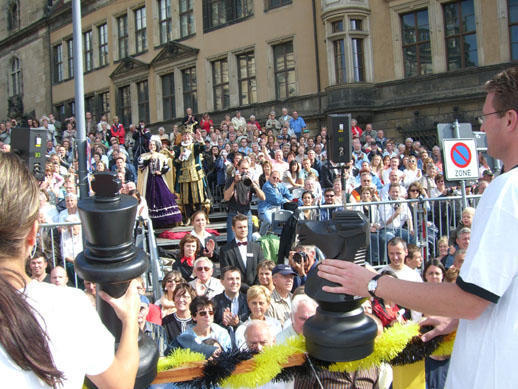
[52, 335]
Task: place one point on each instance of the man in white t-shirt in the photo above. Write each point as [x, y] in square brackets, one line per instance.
[485, 294]
[397, 251]
[396, 218]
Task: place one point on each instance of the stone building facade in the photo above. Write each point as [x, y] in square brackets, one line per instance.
[24, 58]
[403, 65]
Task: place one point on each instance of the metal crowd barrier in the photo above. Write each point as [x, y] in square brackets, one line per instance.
[432, 218]
[49, 242]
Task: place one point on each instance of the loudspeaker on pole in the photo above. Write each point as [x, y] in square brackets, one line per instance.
[31, 145]
[339, 144]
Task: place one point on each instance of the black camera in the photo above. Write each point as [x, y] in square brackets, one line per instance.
[246, 180]
[300, 256]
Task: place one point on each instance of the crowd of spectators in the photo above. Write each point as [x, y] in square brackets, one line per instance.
[275, 162]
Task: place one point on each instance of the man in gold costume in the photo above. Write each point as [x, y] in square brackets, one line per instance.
[190, 177]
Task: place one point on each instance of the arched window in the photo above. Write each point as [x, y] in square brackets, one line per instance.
[16, 77]
[13, 16]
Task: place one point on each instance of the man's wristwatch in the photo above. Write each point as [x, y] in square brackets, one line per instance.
[373, 285]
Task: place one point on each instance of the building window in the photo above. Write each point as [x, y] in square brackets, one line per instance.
[124, 105]
[89, 54]
[276, 3]
[164, 20]
[58, 63]
[218, 13]
[103, 44]
[103, 104]
[60, 112]
[186, 18]
[284, 69]
[140, 30]
[513, 28]
[13, 16]
[247, 80]
[90, 104]
[339, 57]
[168, 99]
[70, 56]
[16, 77]
[358, 61]
[71, 108]
[337, 26]
[417, 54]
[143, 101]
[460, 33]
[220, 84]
[190, 93]
[122, 34]
[356, 24]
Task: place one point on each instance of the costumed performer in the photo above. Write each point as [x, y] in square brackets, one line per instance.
[190, 177]
[163, 210]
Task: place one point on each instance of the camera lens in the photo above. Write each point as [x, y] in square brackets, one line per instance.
[247, 181]
[299, 256]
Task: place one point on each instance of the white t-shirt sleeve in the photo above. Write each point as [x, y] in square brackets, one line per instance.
[491, 262]
[98, 343]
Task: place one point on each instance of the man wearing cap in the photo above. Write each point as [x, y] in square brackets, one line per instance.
[272, 123]
[487, 175]
[280, 305]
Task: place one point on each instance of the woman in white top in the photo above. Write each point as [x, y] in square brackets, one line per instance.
[292, 178]
[258, 299]
[254, 168]
[412, 173]
[209, 248]
[50, 211]
[52, 336]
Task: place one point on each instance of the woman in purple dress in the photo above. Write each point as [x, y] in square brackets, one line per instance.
[163, 209]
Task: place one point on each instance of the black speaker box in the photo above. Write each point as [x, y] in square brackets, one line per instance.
[339, 143]
[31, 145]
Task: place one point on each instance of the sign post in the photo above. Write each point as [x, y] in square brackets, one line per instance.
[461, 162]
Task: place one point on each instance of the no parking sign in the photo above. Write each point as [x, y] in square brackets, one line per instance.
[460, 159]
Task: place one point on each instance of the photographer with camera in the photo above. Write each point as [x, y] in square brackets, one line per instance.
[302, 260]
[239, 189]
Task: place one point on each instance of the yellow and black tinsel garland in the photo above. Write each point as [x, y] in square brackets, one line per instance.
[397, 345]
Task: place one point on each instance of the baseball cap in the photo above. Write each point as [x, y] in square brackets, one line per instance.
[283, 269]
[187, 340]
[487, 172]
[144, 300]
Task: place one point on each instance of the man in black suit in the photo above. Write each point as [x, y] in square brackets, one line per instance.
[231, 308]
[241, 253]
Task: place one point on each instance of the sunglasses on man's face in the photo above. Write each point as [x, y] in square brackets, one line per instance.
[205, 313]
[206, 268]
